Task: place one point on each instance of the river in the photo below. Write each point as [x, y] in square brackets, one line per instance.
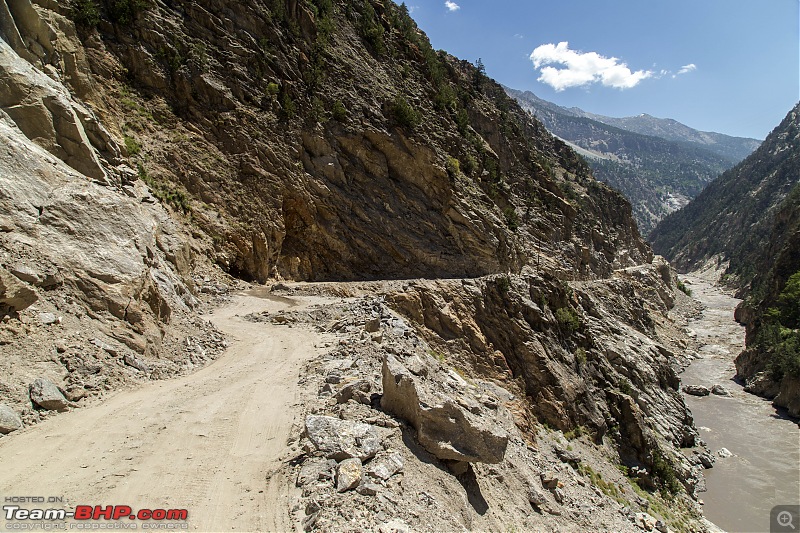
[764, 470]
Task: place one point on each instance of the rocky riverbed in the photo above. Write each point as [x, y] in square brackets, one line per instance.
[756, 447]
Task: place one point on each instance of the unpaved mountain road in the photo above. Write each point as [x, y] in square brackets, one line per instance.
[206, 442]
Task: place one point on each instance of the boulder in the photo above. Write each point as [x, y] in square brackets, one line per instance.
[719, 390]
[348, 474]
[706, 459]
[549, 480]
[724, 453]
[342, 439]
[696, 390]
[444, 427]
[314, 470]
[47, 319]
[368, 489]
[358, 390]
[136, 363]
[47, 396]
[535, 496]
[25, 273]
[645, 521]
[9, 419]
[567, 456]
[14, 294]
[386, 467]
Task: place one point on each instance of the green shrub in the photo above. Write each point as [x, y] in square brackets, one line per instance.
[85, 13]
[470, 165]
[288, 105]
[503, 284]
[462, 121]
[453, 166]
[789, 302]
[272, 89]
[317, 112]
[132, 146]
[125, 12]
[779, 333]
[512, 218]
[338, 111]
[580, 356]
[568, 320]
[371, 29]
[684, 289]
[404, 114]
[445, 98]
[665, 475]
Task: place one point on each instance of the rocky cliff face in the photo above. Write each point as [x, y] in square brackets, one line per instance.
[318, 141]
[99, 270]
[303, 151]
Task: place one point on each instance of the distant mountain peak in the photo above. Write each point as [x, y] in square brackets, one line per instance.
[659, 164]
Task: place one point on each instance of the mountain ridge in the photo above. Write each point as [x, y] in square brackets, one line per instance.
[730, 146]
[657, 174]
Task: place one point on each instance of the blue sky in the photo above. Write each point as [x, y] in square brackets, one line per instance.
[730, 66]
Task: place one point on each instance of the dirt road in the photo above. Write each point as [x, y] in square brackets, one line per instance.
[207, 442]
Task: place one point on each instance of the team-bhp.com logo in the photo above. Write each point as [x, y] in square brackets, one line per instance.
[88, 517]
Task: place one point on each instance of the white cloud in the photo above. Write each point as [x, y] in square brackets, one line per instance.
[582, 68]
[452, 6]
[686, 69]
[518, 36]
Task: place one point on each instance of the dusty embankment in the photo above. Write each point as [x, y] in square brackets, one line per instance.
[205, 442]
[764, 469]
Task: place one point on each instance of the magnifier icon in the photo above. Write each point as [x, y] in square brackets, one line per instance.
[785, 519]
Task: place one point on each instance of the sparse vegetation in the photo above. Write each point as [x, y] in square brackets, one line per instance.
[568, 320]
[404, 114]
[126, 12]
[576, 432]
[85, 13]
[607, 487]
[503, 284]
[132, 146]
[439, 356]
[580, 357]
[453, 166]
[288, 106]
[625, 386]
[511, 218]
[338, 111]
[165, 193]
[683, 288]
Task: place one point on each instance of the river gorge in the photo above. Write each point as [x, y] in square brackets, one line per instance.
[764, 470]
